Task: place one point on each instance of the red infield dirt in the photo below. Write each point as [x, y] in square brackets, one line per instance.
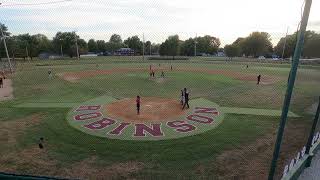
[75, 76]
[153, 109]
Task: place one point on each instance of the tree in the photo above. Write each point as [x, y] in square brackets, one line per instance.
[68, 42]
[83, 46]
[24, 42]
[92, 45]
[289, 48]
[6, 33]
[114, 43]
[155, 48]
[39, 43]
[232, 50]
[257, 44]
[30, 45]
[207, 44]
[134, 43]
[170, 47]
[115, 38]
[291, 44]
[187, 47]
[148, 46]
[239, 43]
[4, 29]
[101, 45]
[311, 48]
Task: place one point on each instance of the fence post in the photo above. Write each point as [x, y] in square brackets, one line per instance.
[291, 80]
[311, 135]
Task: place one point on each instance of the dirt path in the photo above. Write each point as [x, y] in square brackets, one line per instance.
[6, 93]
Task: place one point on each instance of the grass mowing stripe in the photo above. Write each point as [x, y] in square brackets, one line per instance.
[251, 111]
[46, 105]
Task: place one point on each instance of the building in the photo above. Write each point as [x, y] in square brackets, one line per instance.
[221, 54]
[124, 52]
[45, 56]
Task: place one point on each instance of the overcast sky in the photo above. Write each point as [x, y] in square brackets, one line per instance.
[98, 19]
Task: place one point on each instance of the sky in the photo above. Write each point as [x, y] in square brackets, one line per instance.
[157, 19]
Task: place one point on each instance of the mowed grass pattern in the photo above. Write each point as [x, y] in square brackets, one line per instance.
[168, 158]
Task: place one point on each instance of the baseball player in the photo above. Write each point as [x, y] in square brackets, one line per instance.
[138, 101]
[259, 79]
[1, 82]
[162, 74]
[186, 99]
[182, 98]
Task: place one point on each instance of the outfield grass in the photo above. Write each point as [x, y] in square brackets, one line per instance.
[168, 158]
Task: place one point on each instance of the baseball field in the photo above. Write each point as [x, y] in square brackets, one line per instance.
[86, 113]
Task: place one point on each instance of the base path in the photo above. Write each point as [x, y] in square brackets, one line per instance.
[6, 93]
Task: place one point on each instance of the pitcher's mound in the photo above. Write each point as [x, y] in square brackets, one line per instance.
[152, 109]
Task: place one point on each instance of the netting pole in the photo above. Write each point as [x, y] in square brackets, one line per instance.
[291, 80]
[309, 143]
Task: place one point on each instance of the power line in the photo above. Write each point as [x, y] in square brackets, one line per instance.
[33, 4]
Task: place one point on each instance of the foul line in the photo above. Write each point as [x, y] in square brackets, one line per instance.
[252, 111]
[46, 105]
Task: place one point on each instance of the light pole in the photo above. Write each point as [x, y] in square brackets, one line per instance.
[61, 47]
[143, 46]
[5, 46]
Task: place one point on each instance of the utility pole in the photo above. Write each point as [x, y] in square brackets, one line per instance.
[61, 50]
[5, 46]
[27, 53]
[77, 46]
[150, 49]
[61, 47]
[290, 86]
[284, 45]
[195, 46]
[143, 46]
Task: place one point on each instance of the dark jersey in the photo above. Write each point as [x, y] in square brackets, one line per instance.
[186, 96]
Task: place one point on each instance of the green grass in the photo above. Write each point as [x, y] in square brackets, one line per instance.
[169, 158]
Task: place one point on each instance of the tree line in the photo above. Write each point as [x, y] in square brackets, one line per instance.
[64, 43]
[259, 44]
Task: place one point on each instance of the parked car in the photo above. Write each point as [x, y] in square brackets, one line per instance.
[106, 53]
